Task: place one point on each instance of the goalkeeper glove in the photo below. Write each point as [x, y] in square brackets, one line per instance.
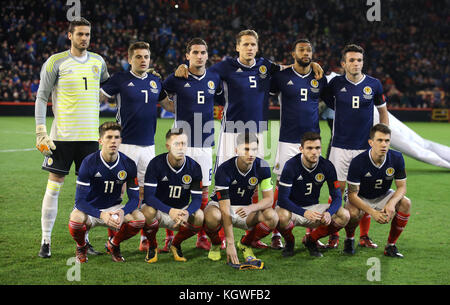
[43, 141]
[254, 264]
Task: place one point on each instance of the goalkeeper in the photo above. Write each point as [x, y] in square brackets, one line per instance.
[231, 206]
[73, 78]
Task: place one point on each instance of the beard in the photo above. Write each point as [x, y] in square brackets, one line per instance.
[302, 63]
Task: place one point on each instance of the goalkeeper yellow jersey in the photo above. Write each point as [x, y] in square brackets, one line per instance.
[74, 85]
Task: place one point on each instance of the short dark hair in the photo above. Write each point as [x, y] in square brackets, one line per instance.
[301, 40]
[195, 41]
[108, 126]
[246, 138]
[138, 45]
[310, 136]
[174, 132]
[78, 22]
[351, 48]
[380, 127]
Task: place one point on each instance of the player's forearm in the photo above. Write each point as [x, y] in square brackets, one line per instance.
[336, 201]
[398, 195]
[196, 202]
[168, 105]
[384, 115]
[263, 204]
[82, 204]
[224, 206]
[151, 200]
[355, 200]
[133, 201]
[286, 203]
[40, 110]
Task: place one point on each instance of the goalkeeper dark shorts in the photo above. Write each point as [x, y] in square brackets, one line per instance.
[67, 153]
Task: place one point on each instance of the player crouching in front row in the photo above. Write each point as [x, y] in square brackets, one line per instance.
[171, 180]
[231, 205]
[369, 179]
[98, 195]
[298, 199]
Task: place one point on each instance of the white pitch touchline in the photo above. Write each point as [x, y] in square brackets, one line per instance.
[15, 150]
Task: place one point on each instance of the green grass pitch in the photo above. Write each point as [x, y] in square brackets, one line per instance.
[425, 242]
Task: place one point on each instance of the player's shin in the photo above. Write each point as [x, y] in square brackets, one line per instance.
[150, 231]
[127, 230]
[398, 224]
[78, 232]
[202, 240]
[186, 230]
[323, 231]
[213, 234]
[287, 232]
[49, 209]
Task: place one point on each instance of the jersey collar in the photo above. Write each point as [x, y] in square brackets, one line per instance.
[306, 168]
[198, 77]
[300, 75]
[140, 77]
[239, 171]
[248, 67]
[373, 163]
[170, 166]
[357, 83]
[81, 59]
[106, 164]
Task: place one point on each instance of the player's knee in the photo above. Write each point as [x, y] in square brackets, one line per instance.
[283, 217]
[405, 204]
[212, 217]
[198, 218]
[77, 216]
[270, 218]
[343, 217]
[148, 212]
[136, 215]
[353, 212]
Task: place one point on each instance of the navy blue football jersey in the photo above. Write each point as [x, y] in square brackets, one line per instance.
[137, 99]
[300, 186]
[194, 105]
[99, 184]
[299, 100]
[246, 92]
[353, 104]
[166, 187]
[240, 186]
[375, 181]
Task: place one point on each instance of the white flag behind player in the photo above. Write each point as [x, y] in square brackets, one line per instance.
[410, 143]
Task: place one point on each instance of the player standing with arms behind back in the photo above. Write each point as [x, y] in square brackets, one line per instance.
[73, 79]
[353, 97]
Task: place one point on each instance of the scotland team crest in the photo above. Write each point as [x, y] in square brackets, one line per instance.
[390, 171]
[253, 181]
[314, 86]
[154, 87]
[367, 92]
[263, 71]
[211, 87]
[186, 179]
[319, 177]
[122, 175]
[96, 72]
